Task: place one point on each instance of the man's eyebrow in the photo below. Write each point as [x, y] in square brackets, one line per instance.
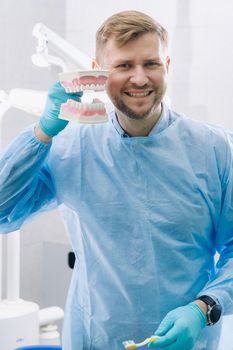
[122, 60]
[152, 59]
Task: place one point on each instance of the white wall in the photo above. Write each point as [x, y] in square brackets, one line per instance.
[201, 45]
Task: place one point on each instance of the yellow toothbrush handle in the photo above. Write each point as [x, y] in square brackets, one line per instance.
[153, 338]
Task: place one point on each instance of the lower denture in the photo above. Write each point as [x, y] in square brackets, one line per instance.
[83, 111]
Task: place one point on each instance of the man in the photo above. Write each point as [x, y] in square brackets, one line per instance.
[146, 200]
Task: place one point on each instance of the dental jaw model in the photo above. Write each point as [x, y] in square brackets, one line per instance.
[86, 81]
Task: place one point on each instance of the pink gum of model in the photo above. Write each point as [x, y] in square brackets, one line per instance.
[89, 79]
[82, 111]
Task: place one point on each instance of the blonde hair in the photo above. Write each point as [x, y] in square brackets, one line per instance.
[128, 25]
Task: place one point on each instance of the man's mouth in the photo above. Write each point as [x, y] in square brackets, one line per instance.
[138, 94]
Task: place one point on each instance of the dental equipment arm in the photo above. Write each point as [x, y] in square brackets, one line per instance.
[49, 40]
[27, 100]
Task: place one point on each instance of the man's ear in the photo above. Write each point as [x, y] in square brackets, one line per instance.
[168, 60]
[95, 64]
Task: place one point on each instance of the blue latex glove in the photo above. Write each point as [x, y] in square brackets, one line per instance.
[180, 328]
[49, 122]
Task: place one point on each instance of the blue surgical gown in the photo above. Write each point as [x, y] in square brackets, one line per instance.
[145, 217]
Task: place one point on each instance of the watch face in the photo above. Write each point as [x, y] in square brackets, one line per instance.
[214, 310]
[215, 313]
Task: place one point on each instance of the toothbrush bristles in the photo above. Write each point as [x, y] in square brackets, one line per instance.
[129, 344]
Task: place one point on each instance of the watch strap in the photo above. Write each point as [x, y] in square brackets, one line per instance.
[214, 309]
[208, 300]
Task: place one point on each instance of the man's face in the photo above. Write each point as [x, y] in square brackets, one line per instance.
[138, 72]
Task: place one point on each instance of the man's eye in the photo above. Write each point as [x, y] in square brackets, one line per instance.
[124, 66]
[152, 64]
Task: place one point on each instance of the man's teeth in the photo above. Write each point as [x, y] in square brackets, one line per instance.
[138, 94]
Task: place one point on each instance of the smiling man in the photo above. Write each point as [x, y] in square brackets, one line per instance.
[138, 65]
[146, 199]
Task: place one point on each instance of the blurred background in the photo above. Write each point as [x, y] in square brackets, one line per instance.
[200, 86]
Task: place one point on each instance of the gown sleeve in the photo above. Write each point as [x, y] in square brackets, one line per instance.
[221, 285]
[26, 186]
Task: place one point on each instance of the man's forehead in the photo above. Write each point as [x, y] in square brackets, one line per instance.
[145, 47]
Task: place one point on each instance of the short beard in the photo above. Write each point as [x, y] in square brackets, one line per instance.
[128, 112]
[131, 114]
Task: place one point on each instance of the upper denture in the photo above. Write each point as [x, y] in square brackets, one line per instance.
[83, 80]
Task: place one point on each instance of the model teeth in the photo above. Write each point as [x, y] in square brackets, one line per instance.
[73, 82]
[84, 80]
[85, 87]
[90, 113]
[88, 106]
[138, 94]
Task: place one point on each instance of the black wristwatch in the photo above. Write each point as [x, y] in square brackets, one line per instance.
[214, 309]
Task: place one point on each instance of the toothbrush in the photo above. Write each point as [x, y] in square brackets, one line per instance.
[130, 344]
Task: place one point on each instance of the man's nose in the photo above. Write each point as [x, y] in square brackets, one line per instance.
[139, 76]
